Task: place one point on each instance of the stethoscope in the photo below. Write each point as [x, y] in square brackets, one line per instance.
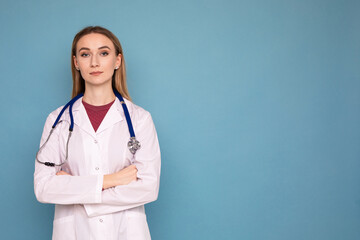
[133, 145]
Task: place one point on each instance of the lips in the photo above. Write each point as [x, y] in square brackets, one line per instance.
[97, 73]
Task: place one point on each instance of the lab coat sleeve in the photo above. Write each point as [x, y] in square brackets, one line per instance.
[50, 188]
[146, 188]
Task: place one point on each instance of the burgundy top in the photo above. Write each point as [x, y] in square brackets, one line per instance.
[96, 113]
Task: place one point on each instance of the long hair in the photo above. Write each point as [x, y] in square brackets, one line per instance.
[118, 78]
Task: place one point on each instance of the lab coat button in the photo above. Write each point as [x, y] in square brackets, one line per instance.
[96, 168]
[100, 220]
[95, 141]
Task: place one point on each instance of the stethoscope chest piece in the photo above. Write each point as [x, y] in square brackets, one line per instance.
[133, 145]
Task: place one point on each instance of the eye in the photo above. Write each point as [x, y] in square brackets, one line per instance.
[104, 53]
[84, 54]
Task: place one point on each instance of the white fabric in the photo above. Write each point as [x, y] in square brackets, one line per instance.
[83, 210]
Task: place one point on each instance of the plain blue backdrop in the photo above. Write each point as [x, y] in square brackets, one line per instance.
[256, 104]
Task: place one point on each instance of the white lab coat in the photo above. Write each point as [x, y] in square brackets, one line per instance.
[83, 211]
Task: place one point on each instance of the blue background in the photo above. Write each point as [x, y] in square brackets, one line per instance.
[256, 104]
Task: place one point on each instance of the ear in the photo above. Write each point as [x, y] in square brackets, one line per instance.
[75, 62]
[118, 60]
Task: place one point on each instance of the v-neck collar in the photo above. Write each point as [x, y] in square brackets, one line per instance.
[81, 119]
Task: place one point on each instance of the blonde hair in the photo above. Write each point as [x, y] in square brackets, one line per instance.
[119, 77]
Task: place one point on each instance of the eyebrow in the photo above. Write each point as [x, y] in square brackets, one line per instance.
[84, 48]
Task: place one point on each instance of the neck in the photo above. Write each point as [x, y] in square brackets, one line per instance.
[99, 95]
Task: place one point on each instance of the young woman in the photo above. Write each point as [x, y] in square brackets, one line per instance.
[98, 179]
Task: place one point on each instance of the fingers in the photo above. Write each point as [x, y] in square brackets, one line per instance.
[62, 173]
[134, 171]
[127, 175]
[132, 167]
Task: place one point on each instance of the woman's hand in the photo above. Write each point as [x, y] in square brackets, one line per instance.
[122, 177]
[62, 173]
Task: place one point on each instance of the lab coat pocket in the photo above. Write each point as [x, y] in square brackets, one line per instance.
[64, 228]
[137, 227]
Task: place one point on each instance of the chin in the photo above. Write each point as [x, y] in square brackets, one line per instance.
[96, 81]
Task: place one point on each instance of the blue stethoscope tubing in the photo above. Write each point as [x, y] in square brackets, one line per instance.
[133, 145]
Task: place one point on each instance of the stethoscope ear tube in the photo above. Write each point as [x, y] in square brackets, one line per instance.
[70, 103]
[50, 164]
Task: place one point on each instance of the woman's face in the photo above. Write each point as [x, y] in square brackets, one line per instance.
[96, 59]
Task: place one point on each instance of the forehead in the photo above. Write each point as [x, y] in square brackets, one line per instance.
[94, 41]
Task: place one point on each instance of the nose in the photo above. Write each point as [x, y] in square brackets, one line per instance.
[94, 61]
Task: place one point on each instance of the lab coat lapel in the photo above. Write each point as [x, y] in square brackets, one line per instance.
[112, 117]
[81, 118]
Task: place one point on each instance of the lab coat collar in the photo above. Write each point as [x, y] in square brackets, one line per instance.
[81, 119]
